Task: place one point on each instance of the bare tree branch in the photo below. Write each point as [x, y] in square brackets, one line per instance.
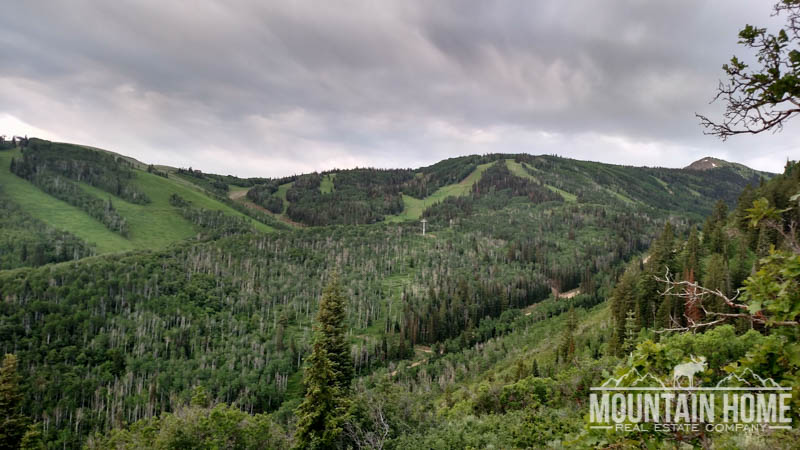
[694, 294]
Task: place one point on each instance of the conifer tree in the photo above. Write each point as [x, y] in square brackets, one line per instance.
[323, 411]
[568, 339]
[327, 375]
[661, 259]
[691, 259]
[623, 299]
[630, 332]
[13, 424]
[331, 329]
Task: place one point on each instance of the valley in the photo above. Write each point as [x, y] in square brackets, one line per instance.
[217, 280]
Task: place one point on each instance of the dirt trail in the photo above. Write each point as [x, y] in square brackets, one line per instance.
[557, 295]
[236, 195]
[419, 348]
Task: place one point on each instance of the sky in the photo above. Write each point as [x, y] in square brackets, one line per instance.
[273, 88]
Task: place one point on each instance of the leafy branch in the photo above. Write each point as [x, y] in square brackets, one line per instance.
[762, 99]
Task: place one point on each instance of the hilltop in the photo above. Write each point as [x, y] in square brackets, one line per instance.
[92, 201]
[711, 163]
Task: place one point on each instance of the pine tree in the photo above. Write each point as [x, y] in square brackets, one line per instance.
[568, 339]
[661, 260]
[322, 412]
[717, 278]
[279, 333]
[691, 259]
[623, 299]
[13, 425]
[331, 328]
[327, 375]
[630, 332]
[520, 371]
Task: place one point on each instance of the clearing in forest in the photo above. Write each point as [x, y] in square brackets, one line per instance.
[413, 207]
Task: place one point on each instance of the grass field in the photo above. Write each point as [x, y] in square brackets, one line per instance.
[152, 226]
[326, 187]
[56, 213]
[232, 188]
[518, 170]
[281, 193]
[413, 207]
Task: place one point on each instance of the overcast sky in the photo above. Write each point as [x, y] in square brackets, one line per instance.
[275, 88]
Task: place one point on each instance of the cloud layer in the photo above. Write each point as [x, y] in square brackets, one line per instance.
[274, 88]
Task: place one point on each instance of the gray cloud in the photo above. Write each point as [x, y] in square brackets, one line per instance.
[272, 88]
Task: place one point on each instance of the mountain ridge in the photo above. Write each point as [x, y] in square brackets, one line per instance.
[448, 190]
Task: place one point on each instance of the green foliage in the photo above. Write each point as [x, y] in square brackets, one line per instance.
[213, 427]
[124, 338]
[42, 160]
[327, 376]
[762, 98]
[263, 195]
[359, 196]
[70, 192]
[13, 424]
[27, 241]
[154, 225]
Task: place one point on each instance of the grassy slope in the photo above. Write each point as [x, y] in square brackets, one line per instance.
[414, 207]
[57, 213]
[152, 226]
[517, 169]
[281, 193]
[326, 187]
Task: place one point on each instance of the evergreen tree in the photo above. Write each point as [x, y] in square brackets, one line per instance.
[327, 375]
[691, 256]
[331, 330]
[321, 415]
[661, 260]
[630, 332]
[717, 278]
[13, 425]
[568, 339]
[279, 333]
[623, 299]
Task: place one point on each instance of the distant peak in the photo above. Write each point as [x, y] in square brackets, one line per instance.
[707, 163]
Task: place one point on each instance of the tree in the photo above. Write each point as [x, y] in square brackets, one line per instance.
[764, 98]
[322, 414]
[623, 300]
[331, 330]
[568, 337]
[13, 424]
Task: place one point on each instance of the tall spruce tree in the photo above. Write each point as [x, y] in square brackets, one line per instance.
[321, 415]
[13, 424]
[327, 376]
[331, 328]
[623, 299]
[661, 260]
[568, 337]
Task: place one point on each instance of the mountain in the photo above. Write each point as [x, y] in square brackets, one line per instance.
[130, 290]
[102, 202]
[710, 163]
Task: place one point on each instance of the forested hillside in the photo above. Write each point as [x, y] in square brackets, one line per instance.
[513, 241]
[363, 196]
[97, 203]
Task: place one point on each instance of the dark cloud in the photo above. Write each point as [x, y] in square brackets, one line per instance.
[270, 88]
